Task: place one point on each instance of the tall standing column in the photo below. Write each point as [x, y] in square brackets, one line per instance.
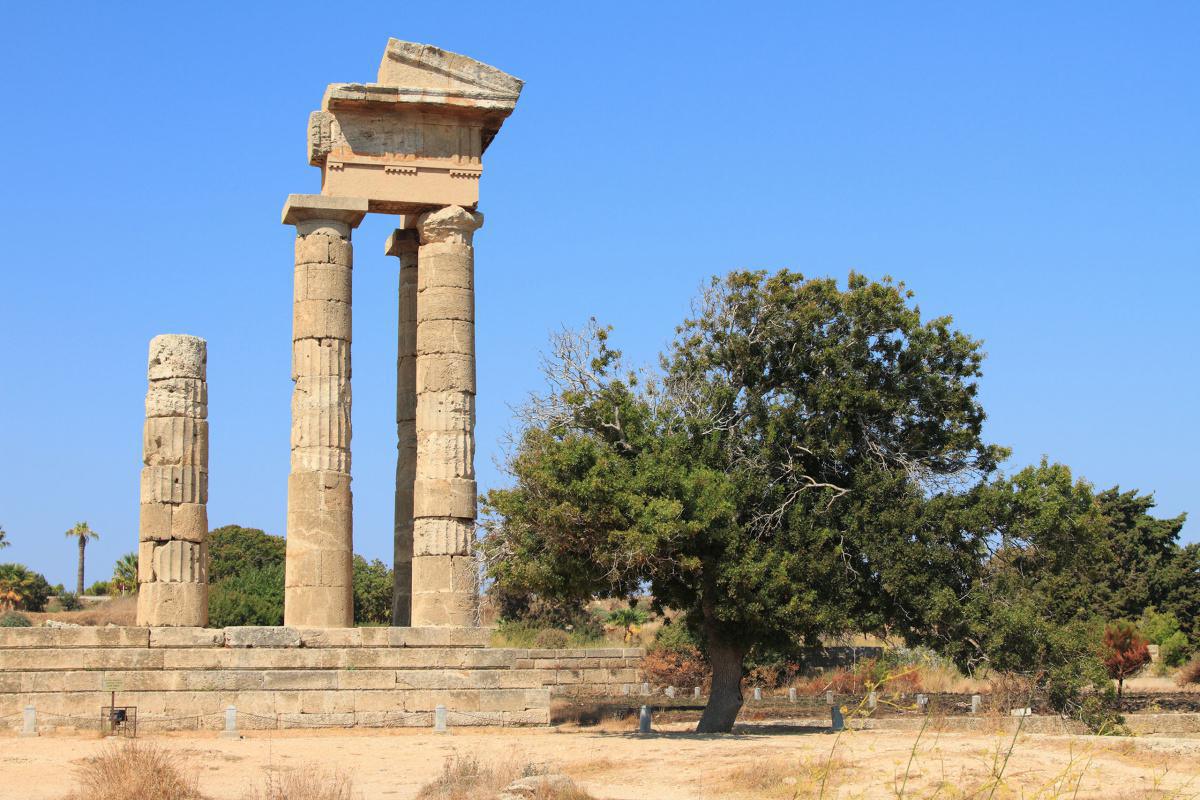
[318, 578]
[173, 527]
[403, 245]
[443, 571]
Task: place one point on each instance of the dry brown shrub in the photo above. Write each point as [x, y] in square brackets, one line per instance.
[786, 779]
[1189, 673]
[464, 777]
[1010, 690]
[134, 770]
[304, 785]
[682, 667]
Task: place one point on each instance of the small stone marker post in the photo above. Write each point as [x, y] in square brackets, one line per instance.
[670, 692]
[872, 700]
[758, 693]
[231, 731]
[645, 690]
[792, 694]
[922, 703]
[29, 721]
[829, 697]
[976, 702]
[644, 720]
[696, 692]
[439, 719]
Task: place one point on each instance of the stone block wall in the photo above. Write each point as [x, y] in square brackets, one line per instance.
[184, 678]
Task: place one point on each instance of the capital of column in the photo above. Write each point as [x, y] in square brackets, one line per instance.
[453, 224]
[401, 242]
[313, 212]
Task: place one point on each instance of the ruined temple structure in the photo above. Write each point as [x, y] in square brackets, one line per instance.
[172, 554]
[411, 144]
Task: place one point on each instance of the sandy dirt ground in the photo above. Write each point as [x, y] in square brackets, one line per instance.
[762, 762]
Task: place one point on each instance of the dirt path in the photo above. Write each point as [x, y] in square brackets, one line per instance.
[618, 765]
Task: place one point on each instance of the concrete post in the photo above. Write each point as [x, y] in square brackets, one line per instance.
[318, 588]
[29, 721]
[403, 244]
[443, 571]
[838, 722]
[173, 524]
[792, 694]
[976, 702]
[922, 702]
[439, 719]
[645, 720]
[696, 692]
[670, 692]
[872, 700]
[829, 697]
[645, 689]
[758, 693]
[231, 731]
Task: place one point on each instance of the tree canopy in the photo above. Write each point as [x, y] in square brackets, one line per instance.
[782, 476]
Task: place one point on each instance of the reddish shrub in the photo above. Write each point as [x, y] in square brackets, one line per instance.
[1125, 652]
[1190, 672]
[682, 667]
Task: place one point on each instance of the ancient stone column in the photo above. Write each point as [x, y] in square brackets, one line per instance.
[403, 244]
[318, 582]
[443, 571]
[172, 551]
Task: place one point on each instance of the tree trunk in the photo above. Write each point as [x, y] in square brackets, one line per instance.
[725, 700]
[1120, 687]
[79, 576]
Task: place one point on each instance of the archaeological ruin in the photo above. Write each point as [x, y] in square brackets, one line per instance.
[408, 145]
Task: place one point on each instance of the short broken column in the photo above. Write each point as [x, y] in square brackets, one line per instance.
[318, 577]
[403, 244]
[173, 528]
[443, 570]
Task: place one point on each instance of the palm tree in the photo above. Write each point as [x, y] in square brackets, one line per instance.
[629, 619]
[82, 532]
[4, 542]
[125, 573]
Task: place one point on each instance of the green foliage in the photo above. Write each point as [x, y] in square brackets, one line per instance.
[233, 549]
[4, 542]
[69, 601]
[12, 619]
[675, 637]
[124, 579]
[251, 597]
[98, 589]
[1162, 629]
[30, 588]
[372, 592]
[520, 633]
[1174, 650]
[772, 482]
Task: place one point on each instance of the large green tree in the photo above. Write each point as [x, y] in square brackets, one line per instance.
[784, 476]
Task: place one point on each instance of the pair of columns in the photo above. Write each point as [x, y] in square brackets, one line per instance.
[435, 579]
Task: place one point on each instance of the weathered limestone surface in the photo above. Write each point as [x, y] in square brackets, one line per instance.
[296, 677]
[415, 139]
[172, 551]
[443, 571]
[403, 244]
[318, 587]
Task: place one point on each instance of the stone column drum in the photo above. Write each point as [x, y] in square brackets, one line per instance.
[318, 582]
[172, 551]
[403, 245]
[443, 570]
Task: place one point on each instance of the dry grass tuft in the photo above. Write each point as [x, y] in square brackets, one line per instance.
[305, 786]
[464, 777]
[117, 611]
[134, 770]
[785, 779]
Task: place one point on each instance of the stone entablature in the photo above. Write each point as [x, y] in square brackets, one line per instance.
[182, 678]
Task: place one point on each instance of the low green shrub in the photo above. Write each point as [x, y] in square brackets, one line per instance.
[13, 619]
[69, 601]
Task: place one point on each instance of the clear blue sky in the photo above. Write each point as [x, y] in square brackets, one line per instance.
[1029, 168]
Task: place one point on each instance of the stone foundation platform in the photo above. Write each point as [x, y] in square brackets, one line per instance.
[281, 677]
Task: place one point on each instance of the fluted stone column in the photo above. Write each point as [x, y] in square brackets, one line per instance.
[403, 245]
[318, 582]
[173, 526]
[443, 571]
